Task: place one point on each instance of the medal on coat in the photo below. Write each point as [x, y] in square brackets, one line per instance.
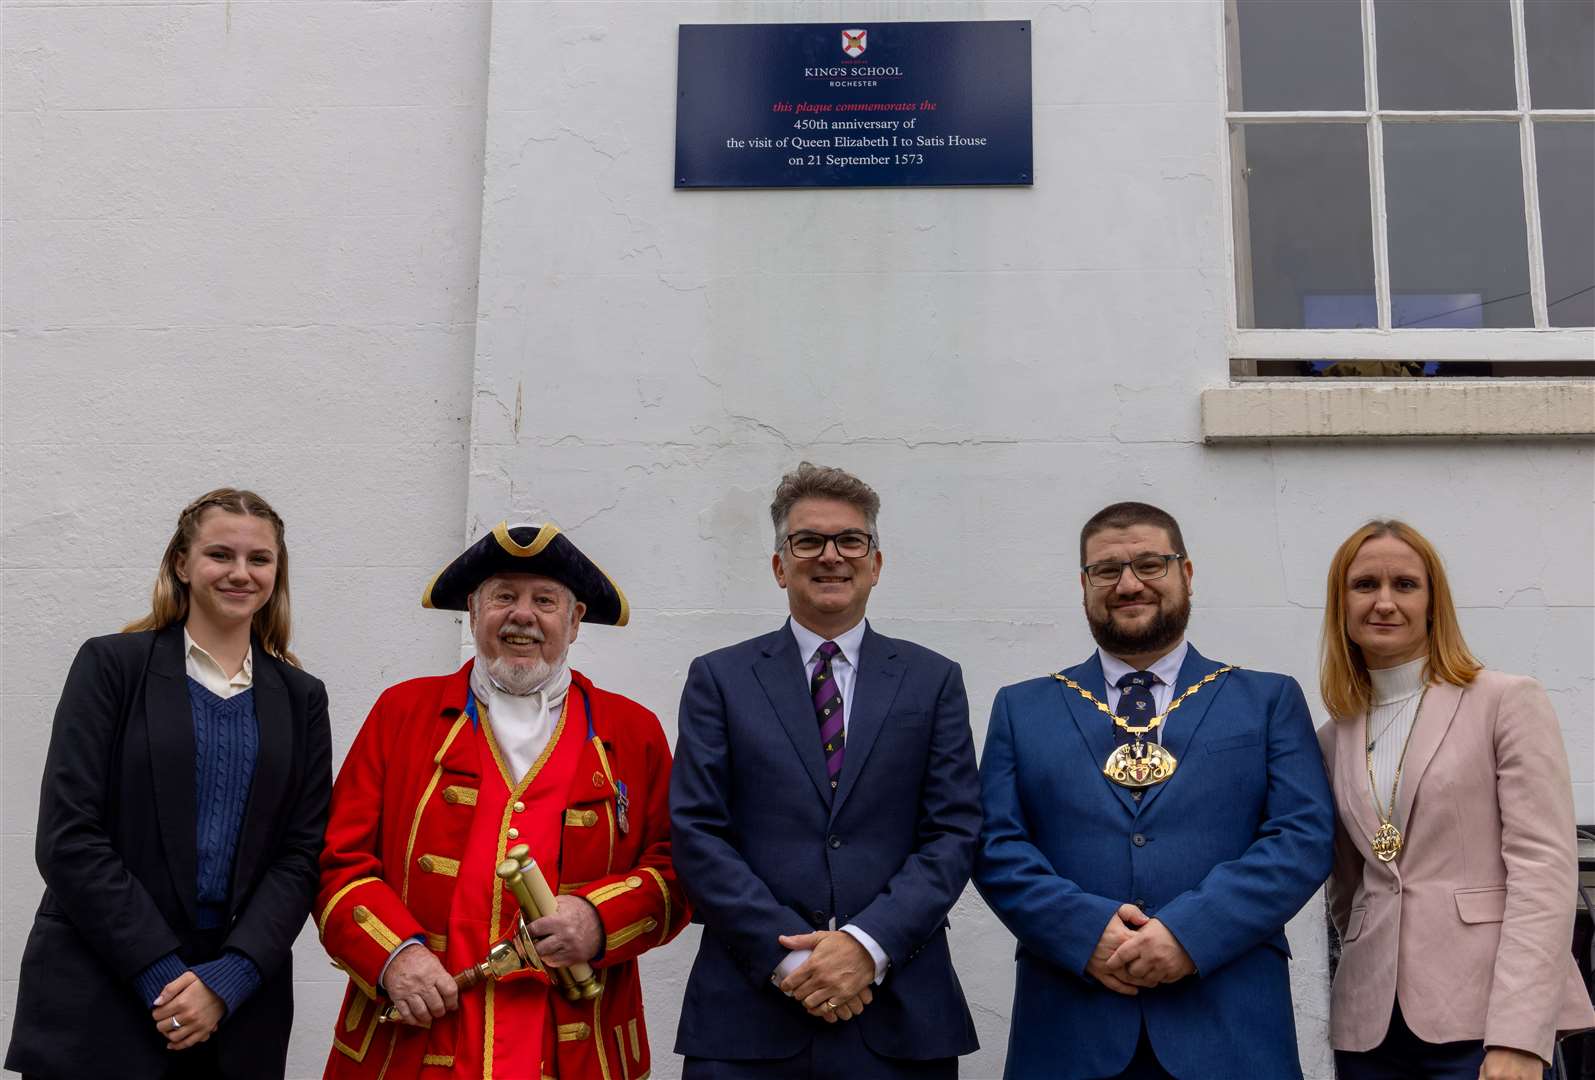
[1144, 762]
[622, 801]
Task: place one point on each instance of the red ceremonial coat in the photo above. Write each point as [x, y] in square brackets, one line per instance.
[408, 816]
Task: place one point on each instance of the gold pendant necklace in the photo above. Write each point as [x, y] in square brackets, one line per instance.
[1387, 840]
[1140, 764]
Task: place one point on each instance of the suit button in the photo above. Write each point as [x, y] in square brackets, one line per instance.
[1140, 902]
[520, 807]
[1138, 840]
[836, 841]
[513, 834]
[819, 917]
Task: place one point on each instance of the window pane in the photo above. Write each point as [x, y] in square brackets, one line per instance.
[1566, 154]
[1298, 54]
[1445, 54]
[1458, 244]
[1561, 45]
[1305, 190]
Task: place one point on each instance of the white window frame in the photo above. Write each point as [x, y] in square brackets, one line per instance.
[1542, 342]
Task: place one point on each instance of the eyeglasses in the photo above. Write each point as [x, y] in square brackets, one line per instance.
[1144, 567]
[811, 545]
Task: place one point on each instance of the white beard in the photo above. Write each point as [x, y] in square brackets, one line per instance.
[521, 680]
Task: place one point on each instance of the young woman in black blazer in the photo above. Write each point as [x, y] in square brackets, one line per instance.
[180, 823]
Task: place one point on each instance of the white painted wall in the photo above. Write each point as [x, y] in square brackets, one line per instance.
[998, 363]
[241, 244]
[240, 248]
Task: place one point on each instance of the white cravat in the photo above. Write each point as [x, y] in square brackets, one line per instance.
[522, 723]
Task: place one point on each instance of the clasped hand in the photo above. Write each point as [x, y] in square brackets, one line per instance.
[834, 982]
[1136, 952]
[194, 1005]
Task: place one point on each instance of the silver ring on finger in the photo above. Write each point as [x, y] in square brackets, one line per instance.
[176, 1023]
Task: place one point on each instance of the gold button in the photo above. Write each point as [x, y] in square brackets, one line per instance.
[519, 806]
[598, 779]
[590, 818]
[449, 796]
[426, 862]
[514, 834]
[634, 882]
[650, 925]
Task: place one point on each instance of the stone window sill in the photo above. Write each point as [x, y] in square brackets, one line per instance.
[1375, 409]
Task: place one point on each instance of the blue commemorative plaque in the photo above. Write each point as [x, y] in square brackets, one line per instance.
[853, 104]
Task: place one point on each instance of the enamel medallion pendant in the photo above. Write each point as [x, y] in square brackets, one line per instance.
[1139, 765]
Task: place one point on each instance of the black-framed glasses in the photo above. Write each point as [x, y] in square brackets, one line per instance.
[1144, 567]
[851, 544]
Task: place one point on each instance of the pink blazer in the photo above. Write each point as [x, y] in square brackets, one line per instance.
[1471, 927]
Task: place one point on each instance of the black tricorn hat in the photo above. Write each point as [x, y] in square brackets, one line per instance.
[529, 549]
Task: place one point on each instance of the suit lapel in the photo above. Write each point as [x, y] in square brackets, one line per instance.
[879, 676]
[1180, 728]
[169, 725]
[273, 767]
[1351, 772]
[1096, 727]
[780, 671]
[1434, 718]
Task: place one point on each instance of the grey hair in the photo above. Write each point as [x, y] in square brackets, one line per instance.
[810, 481]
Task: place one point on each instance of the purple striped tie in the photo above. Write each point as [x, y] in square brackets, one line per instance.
[828, 710]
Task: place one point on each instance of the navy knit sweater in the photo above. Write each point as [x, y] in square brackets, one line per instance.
[226, 741]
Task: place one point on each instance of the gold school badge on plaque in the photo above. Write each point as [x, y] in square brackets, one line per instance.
[1140, 764]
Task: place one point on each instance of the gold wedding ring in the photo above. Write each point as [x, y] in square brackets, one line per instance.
[827, 1005]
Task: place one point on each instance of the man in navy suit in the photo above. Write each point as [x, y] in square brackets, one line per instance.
[1152, 820]
[824, 809]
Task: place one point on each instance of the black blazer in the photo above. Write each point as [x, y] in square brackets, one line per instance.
[116, 847]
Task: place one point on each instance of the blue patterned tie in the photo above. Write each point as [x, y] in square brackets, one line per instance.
[1135, 703]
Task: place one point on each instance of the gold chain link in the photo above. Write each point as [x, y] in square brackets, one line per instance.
[1152, 724]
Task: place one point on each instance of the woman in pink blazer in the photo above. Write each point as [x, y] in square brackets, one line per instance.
[1453, 887]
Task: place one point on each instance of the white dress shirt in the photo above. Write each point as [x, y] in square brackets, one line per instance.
[1167, 670]
[203, 669]
[844, 668]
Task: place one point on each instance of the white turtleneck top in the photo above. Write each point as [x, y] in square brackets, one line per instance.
[1396, 693]
[522, 724]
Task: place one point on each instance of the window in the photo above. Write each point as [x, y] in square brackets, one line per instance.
[1412, 186]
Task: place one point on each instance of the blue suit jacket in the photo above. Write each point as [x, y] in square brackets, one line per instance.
[764, 847]
[1223, 853]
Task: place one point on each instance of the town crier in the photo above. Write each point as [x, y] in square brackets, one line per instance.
[449, 776]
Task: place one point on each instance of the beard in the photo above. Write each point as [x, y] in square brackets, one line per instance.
[525, 677]
[519, 679]
[1166, 628]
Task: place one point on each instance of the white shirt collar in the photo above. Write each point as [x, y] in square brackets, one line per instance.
[1167, 668]
[808, 642]
[196, 656]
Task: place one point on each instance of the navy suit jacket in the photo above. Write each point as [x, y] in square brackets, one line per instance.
[1223, 853]
[764, 847]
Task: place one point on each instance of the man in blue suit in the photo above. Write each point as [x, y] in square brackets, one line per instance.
[1152, 820]
[824, 808]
